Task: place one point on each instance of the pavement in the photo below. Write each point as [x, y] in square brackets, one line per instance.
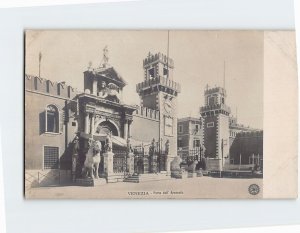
[197, 187]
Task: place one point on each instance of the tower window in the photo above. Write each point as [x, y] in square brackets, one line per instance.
[197, 127]
[223, 100]
[210, 125]
[165, 72]
[52, 119]
[211, 100]
[180, 129]
[151, 73]
[196, 143]
[180, 143]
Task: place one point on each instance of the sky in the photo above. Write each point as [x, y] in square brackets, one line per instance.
[199, 58]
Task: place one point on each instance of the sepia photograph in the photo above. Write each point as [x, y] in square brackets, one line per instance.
[142, 114]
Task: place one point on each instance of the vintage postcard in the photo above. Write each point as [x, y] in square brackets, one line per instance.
[166, 114]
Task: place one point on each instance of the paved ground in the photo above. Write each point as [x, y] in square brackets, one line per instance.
[199, 187]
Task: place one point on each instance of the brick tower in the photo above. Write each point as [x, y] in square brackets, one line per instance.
[158, 91]
[216, 127]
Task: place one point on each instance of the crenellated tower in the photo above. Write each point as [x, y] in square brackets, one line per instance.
[216, 125]
[159, 92]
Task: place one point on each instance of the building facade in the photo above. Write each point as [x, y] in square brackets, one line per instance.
[189, 133]
[190, 138]
[56, 113]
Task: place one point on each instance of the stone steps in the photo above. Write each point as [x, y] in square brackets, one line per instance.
[90, 182]
[147, 177]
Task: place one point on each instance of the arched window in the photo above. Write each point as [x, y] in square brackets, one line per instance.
[52, 119]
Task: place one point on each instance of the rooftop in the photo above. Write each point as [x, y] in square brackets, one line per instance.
[109, 73]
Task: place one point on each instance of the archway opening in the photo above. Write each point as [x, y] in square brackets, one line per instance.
[105, 128]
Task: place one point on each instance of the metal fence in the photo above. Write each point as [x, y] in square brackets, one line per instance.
[120, 161]
[188, 156]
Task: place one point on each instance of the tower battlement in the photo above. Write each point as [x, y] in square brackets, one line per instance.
[215, 90]
[250, 134]
[158, 57]
[215, 102]
[159, 81]
[46, 86]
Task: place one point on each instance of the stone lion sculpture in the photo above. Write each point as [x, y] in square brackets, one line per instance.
[93, 159]
[192, 166]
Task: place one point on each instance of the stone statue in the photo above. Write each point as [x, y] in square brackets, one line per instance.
[192, 166]
[129, 146]
[108, 143]
[93, 159]
[176, 170]
[152, 147]
[105, 55]
[75, 150]
[167, 146]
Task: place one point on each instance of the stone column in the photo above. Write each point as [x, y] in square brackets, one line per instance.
[129, 123]
[92, 123]
[168, 165]
[125, 129]
[108, 165]
[86, 123]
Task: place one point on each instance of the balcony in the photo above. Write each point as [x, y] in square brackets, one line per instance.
[215, 107]
[158, 81]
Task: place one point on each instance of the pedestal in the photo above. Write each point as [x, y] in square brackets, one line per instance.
[108, 159]
[130, 163]
[168, 165]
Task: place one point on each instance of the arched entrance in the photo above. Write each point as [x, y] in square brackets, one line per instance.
[102, 128]
[105, 127]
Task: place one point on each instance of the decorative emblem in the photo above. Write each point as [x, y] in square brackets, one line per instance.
[253, 189]
[110, 89]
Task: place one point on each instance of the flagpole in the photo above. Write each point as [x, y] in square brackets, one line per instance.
[240, 161]
[168, 54]
[40, 59]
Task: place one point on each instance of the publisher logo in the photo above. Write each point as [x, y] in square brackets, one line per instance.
[253, 189]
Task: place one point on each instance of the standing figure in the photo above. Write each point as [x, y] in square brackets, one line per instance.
[129, 146]
[167, 146]
[105, 56]
[152, 147]
[75, 149]
[108, 143]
